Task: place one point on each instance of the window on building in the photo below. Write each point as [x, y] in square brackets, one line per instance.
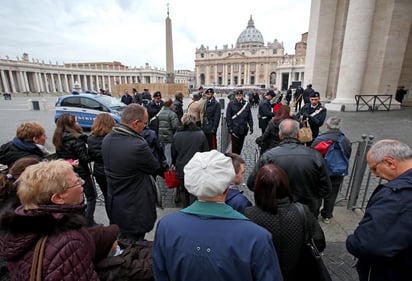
[236, 79]
[252, 80]
[219, 80]
[202, 55]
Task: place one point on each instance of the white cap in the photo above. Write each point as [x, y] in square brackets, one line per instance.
[208, 174]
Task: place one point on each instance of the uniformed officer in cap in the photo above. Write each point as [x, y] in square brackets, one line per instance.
[314, 112]
[211, 118]
[239, 121]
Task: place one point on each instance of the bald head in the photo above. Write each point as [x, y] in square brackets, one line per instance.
[288, 128]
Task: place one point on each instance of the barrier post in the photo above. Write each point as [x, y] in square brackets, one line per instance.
[360, 169]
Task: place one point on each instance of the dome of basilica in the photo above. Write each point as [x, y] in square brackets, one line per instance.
[250, 37]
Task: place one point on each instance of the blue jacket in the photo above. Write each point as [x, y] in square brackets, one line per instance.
[383, 240]
[239, 124]
[211, 241]
[236, 199]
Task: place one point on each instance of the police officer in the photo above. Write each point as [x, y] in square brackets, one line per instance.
[239, 121]
[265, 112]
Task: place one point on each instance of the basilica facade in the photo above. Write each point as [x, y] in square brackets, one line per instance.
[251, 63]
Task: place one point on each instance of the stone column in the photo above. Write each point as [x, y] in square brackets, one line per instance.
[109, 84]
[4, 81]
[72, 80]
[355, 50]
[20, 82]
[97, 83]
[66, 84]
[13, 86]
[84, 82]
[60, 82]
[26, 81]
[36, 81]
[53, 83]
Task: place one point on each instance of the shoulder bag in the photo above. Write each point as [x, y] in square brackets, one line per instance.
[305, 133]
[37, 263]
[311, 266]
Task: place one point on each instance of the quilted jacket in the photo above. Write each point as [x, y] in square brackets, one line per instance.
[70, 249]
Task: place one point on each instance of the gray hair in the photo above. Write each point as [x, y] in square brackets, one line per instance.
[333, 122]
[392, 148]
[132, 112]
[188, 118]
[289, 128]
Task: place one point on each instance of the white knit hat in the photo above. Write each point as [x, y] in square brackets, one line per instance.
[208, 174]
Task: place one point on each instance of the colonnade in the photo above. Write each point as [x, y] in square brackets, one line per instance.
[17, 76]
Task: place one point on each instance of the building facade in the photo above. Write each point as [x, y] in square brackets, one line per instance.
[359, 48]
[23, 75]
[250, 63]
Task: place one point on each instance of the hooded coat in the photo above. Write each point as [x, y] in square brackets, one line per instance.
[69, 251]
[16, 149]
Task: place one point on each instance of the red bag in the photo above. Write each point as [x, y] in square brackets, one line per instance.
[323, 146]
[170, 178]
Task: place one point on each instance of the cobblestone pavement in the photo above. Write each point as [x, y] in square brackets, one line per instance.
[380, 124]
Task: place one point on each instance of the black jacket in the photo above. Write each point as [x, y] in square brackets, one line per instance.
[211, 116]
[75, 148]
[16, 149]
[306, 170]
[186, 142]
[95, 154]
[178, 109]
[242, 122]
[316, 121]
[265, 113]
[288, 233]
[129, 162]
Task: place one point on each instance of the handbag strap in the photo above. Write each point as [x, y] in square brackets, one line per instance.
[37, 263]
[305, 220]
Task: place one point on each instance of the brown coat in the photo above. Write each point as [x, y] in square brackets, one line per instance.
[196, 108]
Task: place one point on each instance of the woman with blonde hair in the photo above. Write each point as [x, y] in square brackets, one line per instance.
[51, 195]
[102, 125]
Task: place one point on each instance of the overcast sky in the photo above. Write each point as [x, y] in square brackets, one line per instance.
[133, 31]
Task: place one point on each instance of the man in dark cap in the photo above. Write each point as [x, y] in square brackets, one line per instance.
[314, 112]
[265, 112]
[211, 118]
[147, 98]
[201, 90]
[153, 109]
[306, 94]
[239, 121]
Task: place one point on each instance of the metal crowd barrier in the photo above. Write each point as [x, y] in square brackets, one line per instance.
[361, 181]
[373, 102]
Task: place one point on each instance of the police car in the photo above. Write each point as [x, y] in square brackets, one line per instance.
[87, 106]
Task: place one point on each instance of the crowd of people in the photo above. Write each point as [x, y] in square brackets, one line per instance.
[47, 200]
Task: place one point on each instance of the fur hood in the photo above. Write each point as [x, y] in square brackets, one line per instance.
[20, 229]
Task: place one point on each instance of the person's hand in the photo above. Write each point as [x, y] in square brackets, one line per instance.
[75, 163]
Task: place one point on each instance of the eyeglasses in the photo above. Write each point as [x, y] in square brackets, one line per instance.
[373, 169]
[144, 122]
[79, 182]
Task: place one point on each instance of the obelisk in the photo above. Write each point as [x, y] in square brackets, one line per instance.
[170, 72]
